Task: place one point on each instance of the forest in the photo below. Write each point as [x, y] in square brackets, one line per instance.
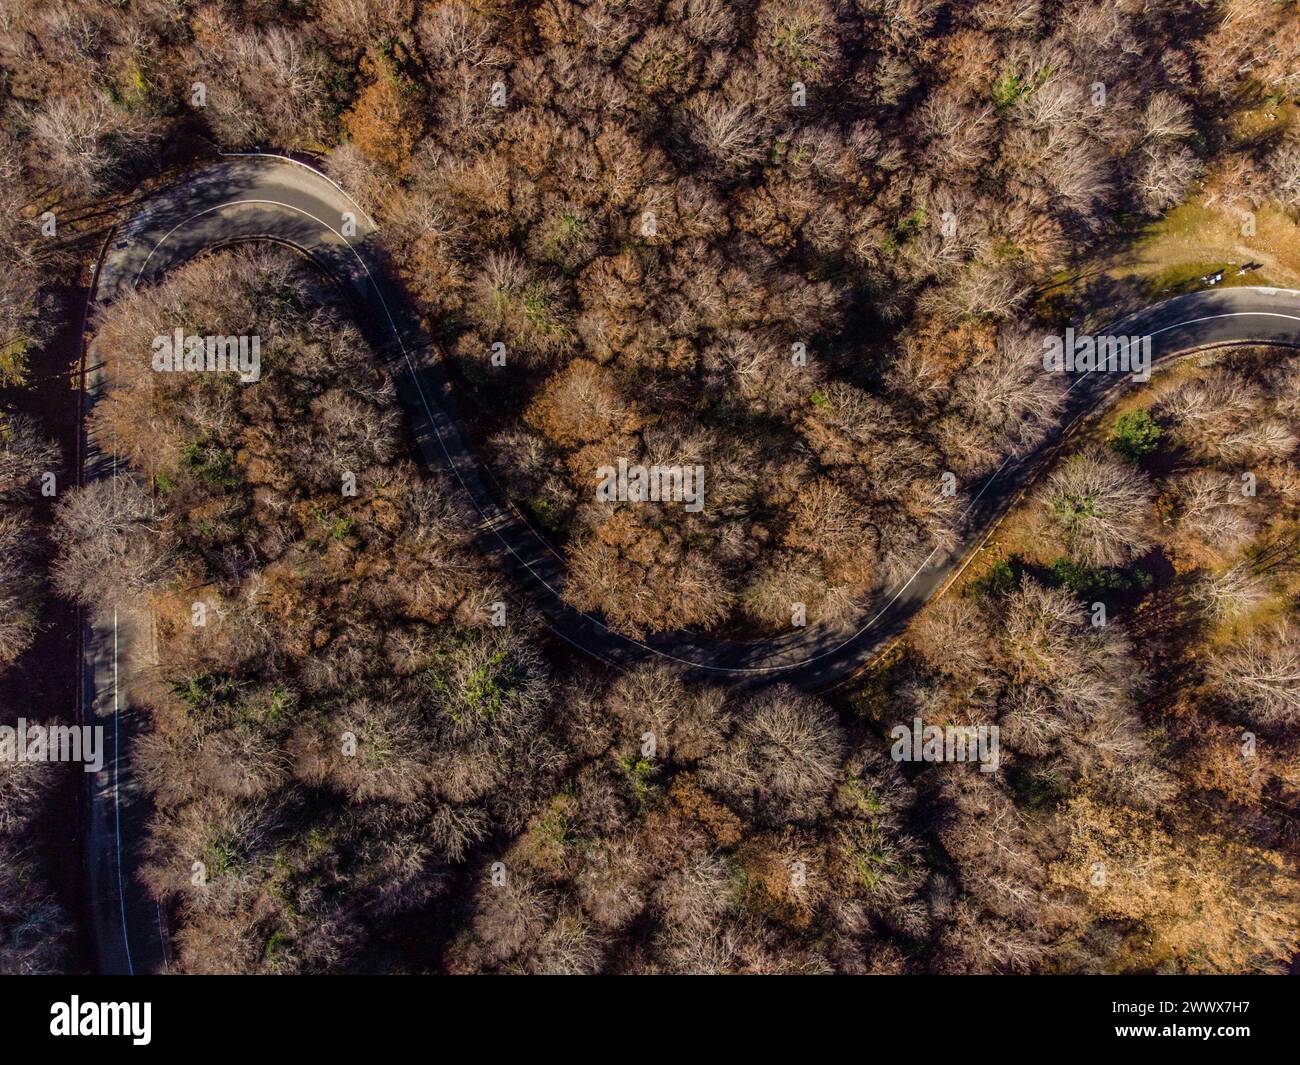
[809, 246]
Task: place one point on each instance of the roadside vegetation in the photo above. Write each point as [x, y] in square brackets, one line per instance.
[1158, 750]
[34, 926]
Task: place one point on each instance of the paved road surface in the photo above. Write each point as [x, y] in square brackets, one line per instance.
[263, 197]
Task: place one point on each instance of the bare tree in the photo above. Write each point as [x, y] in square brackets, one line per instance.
[1047, 639]
[730, 132]
[1213, 509]
[268, 87]
[1166, 116]
[1262, 675]
[1101, 506]
[1165, 175]
[34, 930]
[951, 637]
[957, 133]
[509, 918]
[696, 895]
[1283, 168]
[1230, 594]
[19, 587]
[686, 721]
[1005, 393]
[1220, 416]
[112, 543]
[84, 142]
[375, 748]
[780, 764]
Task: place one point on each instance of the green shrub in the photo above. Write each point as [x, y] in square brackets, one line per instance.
[1136, 435]
[999, 580]
[1099, 580]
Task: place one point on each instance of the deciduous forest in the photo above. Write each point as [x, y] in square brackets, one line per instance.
[811, 246]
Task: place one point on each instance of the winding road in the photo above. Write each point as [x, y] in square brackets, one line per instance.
[261, 197]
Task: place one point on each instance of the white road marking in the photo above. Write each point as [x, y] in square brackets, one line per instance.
[117, 810]
[311, 170]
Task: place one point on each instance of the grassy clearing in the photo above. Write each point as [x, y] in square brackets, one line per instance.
[1200, 237]
[1207, 234]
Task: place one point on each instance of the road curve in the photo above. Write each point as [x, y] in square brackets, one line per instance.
[245, 198]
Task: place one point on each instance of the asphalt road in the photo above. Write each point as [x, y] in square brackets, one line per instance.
[267, 197]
